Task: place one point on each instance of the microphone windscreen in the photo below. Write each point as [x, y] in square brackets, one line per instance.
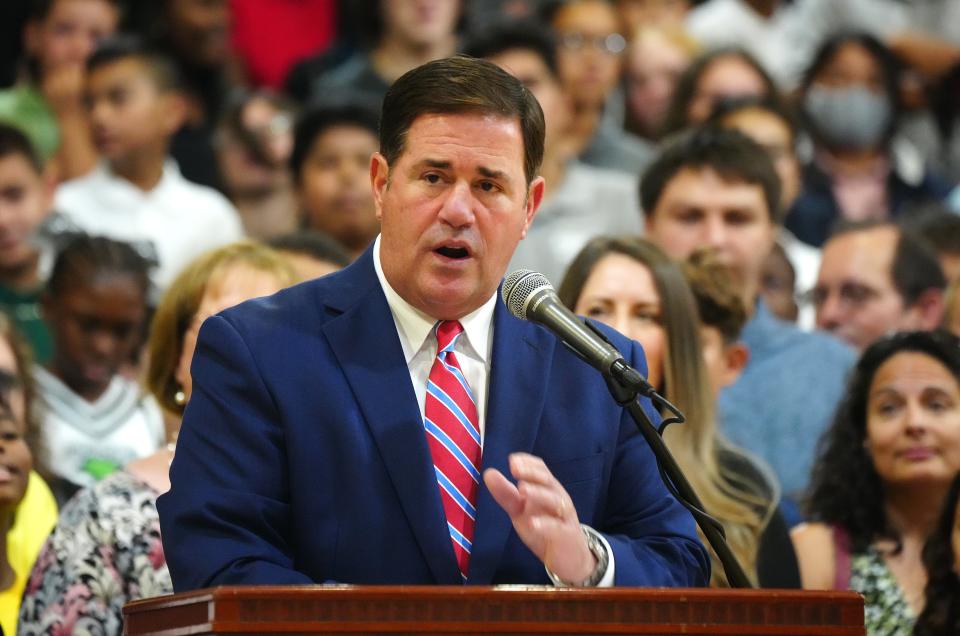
[519, 287]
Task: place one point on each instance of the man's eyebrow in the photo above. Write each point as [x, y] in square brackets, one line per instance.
[436, 163]
[493, 174]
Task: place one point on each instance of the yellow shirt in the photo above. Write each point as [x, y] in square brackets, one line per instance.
[35, 518]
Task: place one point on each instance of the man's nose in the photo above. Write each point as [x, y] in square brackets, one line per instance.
[715, 234]
[457, 209]
[829, 311]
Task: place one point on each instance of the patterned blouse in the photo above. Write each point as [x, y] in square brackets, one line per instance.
[104, 552]
[886, 611]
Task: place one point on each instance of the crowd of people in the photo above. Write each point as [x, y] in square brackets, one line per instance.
[765, 194]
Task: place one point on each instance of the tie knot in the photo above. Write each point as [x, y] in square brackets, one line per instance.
[447, 332]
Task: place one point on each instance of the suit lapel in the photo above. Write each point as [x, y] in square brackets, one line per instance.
[364, 340]
[518, 384]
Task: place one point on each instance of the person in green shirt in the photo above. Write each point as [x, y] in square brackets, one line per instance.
[26, 195]
[47, 103]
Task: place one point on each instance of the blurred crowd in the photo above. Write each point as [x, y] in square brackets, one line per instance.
[763, 193]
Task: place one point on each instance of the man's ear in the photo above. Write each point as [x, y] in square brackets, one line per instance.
[174, 110]
[532, 204]
[379, 180]
[926, 312]
[735, 358]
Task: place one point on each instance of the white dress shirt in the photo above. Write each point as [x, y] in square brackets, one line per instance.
[418, 339]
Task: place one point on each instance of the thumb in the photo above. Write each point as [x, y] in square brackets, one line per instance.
[503, 491]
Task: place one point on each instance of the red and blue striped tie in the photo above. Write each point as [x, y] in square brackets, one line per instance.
[453, 434]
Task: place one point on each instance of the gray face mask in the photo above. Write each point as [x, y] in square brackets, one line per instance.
[853, 118]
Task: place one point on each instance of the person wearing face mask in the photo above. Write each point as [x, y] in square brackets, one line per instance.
[860, 169]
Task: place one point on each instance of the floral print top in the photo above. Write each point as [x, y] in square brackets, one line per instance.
[886, 611]
[104, 552]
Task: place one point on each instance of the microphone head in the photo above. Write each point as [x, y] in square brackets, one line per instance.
[520, 287]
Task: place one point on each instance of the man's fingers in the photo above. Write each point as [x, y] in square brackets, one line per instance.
[545, 500]
[503, 492]
[525, 467]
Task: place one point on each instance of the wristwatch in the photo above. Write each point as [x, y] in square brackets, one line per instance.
[599, 551]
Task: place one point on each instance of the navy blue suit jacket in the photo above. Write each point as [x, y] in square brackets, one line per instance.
[303, 459]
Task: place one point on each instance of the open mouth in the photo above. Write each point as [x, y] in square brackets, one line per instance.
[453, 252]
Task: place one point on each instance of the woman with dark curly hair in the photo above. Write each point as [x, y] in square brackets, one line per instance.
[941, 557]
[885, 467]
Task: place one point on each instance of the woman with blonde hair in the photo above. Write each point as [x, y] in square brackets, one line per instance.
[105, 550]
[629, 284]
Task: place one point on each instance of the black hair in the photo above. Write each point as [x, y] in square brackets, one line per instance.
[936, 223]
[729, 153]
[317, 119]
[941, 611]
[688, 83]
[85, 255]
[314, 244]
[915, 268]
[13, 141]
[770, 103]
[845, 489]
[890, 67]
[504, 36]
[162, 69]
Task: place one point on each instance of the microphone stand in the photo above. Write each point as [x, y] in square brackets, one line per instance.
[625, 384]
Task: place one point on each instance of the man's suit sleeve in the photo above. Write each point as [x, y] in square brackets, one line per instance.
[226, 517]
[654, 539]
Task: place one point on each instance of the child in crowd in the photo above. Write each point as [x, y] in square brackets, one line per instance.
[94, 419]
[330, 163]
[138, 195]
[47, 103]
[25, 198]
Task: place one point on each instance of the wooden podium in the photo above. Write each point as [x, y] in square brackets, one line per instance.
[495, 610]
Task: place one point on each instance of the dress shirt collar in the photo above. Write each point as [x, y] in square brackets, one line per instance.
[414, 326]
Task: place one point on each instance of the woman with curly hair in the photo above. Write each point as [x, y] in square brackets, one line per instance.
[941, 557]
[884, 469]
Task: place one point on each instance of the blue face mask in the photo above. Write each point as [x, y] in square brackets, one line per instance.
[853, 118]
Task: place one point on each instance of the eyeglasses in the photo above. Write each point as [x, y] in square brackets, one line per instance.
[611, 44]
[849, 295]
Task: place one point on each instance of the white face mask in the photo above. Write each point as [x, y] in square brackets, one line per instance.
[854, 117]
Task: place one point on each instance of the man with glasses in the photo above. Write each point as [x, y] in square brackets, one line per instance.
[875, 278]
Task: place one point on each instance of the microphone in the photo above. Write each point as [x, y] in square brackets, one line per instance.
[530, 296]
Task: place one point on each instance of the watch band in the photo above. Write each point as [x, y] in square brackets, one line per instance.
[599, 551]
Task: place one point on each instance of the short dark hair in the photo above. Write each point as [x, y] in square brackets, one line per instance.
[729, 153]
[85, 255]
[503, 36]
[318, 118]
[771, 104]
[713, 287]
[460, 84]
[915, 268]
[936, 223]
[163, 71]
[311, 243]
[845, 489]
[14, 141]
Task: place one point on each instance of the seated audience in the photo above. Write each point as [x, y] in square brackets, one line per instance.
[859, 170]
[94, 420]
[716, 188]
[638, 14]
[951, 317]
[330, 164]
[105, 550]
[253, 143]
[28, 510]
[875, 279]
[25, 199]
[882, 474]
[589, 57]
[47, 103]
[580, 201]
[632, 286]
[778, 285]
[941, 558]
[940, 227]
[137, 194]
[713, 77]
[310, 254]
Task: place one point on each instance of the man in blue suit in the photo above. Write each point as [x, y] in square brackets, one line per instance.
[308, 451]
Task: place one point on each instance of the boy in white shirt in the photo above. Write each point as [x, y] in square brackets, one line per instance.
[137, 193]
